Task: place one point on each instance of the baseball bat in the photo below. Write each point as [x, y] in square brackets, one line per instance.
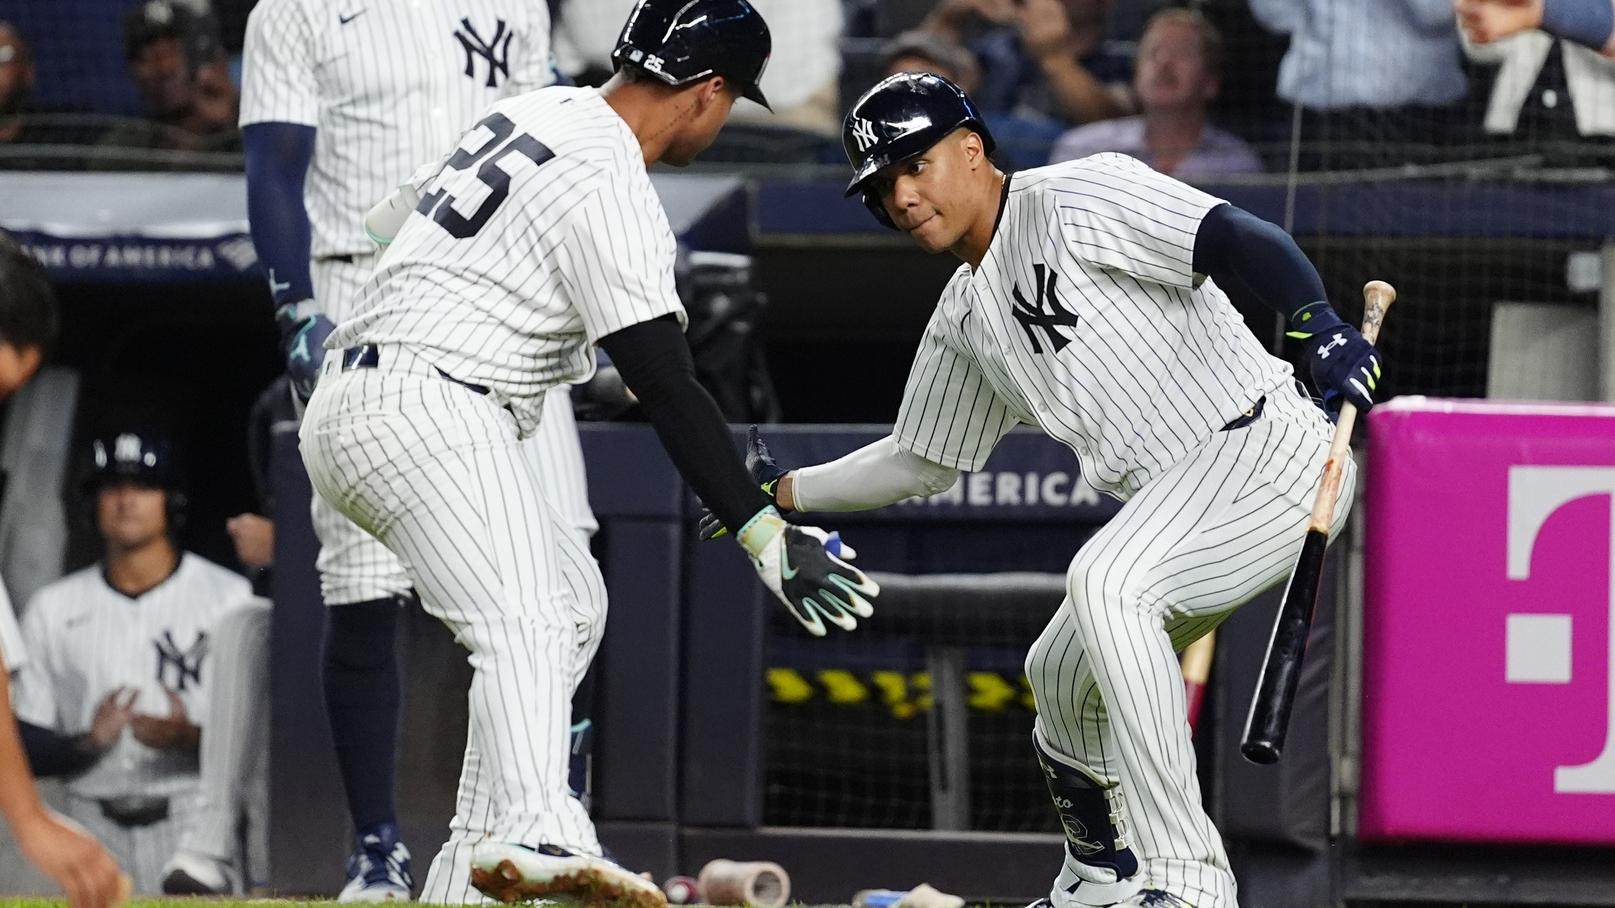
[1269, 718]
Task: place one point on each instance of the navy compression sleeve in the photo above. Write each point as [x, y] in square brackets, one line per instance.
[1238, 249]
[51, 753]
[655, 362]
[278, 156]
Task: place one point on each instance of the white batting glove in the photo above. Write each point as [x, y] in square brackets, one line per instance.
[806, 568]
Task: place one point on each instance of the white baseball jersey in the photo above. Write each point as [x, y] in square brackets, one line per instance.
[1086, 318]
[85, 639]
[387, 84]
[539, 235]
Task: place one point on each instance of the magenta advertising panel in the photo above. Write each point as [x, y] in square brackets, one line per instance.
[1488, 659]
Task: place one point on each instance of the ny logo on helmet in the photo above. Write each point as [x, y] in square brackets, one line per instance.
[863, 132]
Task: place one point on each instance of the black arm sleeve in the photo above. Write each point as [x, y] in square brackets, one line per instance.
[1237, 248]
[654, 360]
[51, 753]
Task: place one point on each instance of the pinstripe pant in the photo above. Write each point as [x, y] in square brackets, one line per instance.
[234, 785]
[435, 471]
[1205, 537]
[354, 566]
[140, 850]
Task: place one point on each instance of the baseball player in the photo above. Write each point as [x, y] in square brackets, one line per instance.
[60, 848]
[1089, 304]
[124, 643]
[537, 238]
[341, 103]
[233, 784]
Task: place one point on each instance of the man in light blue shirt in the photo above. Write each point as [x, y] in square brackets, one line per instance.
[1376, 79]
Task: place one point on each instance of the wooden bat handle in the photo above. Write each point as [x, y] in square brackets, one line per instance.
[1377, 299]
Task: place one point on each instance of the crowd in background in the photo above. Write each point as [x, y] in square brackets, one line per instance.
[1207, 89]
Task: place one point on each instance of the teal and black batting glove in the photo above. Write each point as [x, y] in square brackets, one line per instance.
[303, 330]
[1344, 365]
[760, 463]
[806, 568]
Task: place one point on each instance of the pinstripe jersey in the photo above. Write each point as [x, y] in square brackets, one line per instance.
[85, 639]
[540, 234]
[388, 84]
[1085, 318]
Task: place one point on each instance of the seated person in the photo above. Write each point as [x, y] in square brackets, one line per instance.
[921, 51]
[118, 673]
[21, 121]
[182, 75]
[1040, 59]
[1176, 77]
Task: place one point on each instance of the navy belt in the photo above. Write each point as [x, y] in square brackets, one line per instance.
[1249, 416]
[368, 356]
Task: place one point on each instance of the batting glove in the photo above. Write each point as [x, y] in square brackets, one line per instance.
[760, 463]
[806, 568]
[303, 331]
[1343, 364]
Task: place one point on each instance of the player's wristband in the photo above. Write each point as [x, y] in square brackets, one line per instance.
[760, 530]
[1313, 319]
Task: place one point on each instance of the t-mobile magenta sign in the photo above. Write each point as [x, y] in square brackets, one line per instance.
[1489, 598]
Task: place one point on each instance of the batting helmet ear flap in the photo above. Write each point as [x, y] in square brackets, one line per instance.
[876, 207]
[175, 502]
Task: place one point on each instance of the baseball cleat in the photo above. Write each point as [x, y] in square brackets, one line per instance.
[189, 873]
[378, 869]
[516, 873]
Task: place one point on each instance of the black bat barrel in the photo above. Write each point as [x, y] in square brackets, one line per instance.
[1281, 671]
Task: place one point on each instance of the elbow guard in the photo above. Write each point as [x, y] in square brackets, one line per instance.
[384, 221]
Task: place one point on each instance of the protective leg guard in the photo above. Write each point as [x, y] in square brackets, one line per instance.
[1100, 867]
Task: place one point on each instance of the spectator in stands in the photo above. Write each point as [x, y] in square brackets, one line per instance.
[182, 76]
[1041, 58]
[22, 122]
[1377, 80]
[921, 51]
[802, 80]
[16, 82]
[1176, 76]
[1590, 23]
[1556, 96]
[118, 673]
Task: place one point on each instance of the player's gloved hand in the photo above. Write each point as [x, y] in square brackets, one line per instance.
[303, 330]
[807, 569]
[1343, 364]
[762, 467]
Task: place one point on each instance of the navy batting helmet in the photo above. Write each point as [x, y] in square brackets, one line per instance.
[682, 41]
[140, 457]
[900, 119]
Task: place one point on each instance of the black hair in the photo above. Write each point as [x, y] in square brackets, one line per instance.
[27, 302]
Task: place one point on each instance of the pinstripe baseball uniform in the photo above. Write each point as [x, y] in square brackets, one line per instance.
[540, 234]
[1085, 318]
[85, 639]
[388, 85]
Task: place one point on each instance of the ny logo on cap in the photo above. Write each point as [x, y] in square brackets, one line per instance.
[863, 132]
